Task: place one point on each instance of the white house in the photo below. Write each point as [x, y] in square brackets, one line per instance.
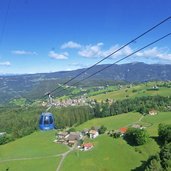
[93, 133]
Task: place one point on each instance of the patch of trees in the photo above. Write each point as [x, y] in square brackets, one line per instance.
[69, 116]
[135, 136]
[102, 129]
[164, 132]
[162, 160]
[5, 139]
[18, 122]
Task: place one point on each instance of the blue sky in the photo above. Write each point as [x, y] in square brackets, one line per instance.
[56, 35]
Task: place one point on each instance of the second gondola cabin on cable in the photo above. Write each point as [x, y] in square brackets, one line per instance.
[46, 121]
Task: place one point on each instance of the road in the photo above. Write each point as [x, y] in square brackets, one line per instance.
[64, 156]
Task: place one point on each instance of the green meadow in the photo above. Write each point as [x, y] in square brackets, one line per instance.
[44, 164]
[112, 122]
[115, 154]
[38, 151]
[38, 144]
[32, 153]
[108, 154]
[133, 91]
[154, 121]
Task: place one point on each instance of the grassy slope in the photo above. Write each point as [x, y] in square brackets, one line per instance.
[38, 144]
[128, 92]
[48, 164]
[112, 122]
[115, 154]
[35, 145]
[108, 154]
[161, 117]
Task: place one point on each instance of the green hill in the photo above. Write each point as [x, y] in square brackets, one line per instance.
[32, 153]
[115, 154]
[38, 152]
[131, 91]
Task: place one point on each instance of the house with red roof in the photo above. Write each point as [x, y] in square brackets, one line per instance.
[123, 130]
[87, 146]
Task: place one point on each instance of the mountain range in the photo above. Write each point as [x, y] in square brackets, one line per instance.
[35, 85]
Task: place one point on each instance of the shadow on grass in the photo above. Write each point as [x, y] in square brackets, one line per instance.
[157, 140]
[130, 141]
[141, 167]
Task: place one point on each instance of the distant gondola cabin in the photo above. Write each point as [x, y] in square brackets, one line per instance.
[46, 121]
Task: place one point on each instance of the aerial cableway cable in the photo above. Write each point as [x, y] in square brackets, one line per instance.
[134, 40]
[161, 38]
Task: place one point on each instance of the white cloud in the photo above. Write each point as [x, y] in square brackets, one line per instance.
[55, 55]
[71, 45]
[23, 52]
[90, 51]
[155, 52]
[6, 63]
[97, 50]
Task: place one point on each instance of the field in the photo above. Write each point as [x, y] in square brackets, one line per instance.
[34, 152]
[162, 117]
[133, 91]
[108, 154]
[38, 152]
[45, 164]
[112, 122]
[115, 154]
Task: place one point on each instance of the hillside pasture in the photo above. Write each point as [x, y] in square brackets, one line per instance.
[115, 154]
[38, 144]
[38, 152]
[154, 121]
[43, 164]
[108, 154]
[112, 122]
[133, 91]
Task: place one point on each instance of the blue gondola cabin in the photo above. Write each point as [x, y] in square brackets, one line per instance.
[46, 121]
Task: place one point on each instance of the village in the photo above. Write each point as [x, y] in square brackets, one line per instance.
[80, 138]
[80, 101]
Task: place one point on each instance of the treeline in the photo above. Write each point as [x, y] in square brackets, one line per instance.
[138, 104]
[18, 122]
[69, 116]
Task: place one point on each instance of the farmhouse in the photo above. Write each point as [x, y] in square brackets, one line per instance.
[68, 138]
[62, 135]
[152, 112]
[93, 133]
[73, 138]
[87, 146]
[123, 130]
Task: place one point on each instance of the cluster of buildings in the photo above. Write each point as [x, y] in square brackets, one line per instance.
[68, 102]
[122, 131]
[77, 138]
